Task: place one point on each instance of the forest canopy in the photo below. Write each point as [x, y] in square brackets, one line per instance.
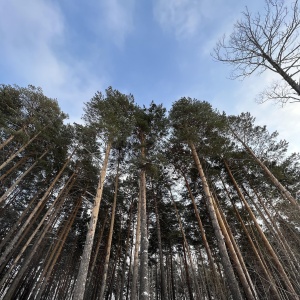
[144, 203]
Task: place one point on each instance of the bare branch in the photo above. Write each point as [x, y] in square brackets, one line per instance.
[265, 42]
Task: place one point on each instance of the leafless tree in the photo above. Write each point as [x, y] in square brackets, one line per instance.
[266, 41]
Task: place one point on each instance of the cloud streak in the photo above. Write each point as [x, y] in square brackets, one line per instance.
[114, 19]
[33, 43]
[182, 17]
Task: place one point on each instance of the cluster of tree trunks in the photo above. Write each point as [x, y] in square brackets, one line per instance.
[137, 205]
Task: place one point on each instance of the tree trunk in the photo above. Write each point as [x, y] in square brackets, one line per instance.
[126, 253]
[19, 151]
[228, 269]
[279, 239]
[186, 246]
[14, 167]
[275, 259]
[233, 254]
[47, 269]
[202, 230]
[188, 281]
[2, 145]
[3, 197]
[54, 210]
[162, 268]
[20, 220]
[275, 181]
[39, 204]
[97, 248]
[172, 276]
[136, 251]
[144, 282]
[292, 83]
[85, 260]
[111, 229]
[260, 261]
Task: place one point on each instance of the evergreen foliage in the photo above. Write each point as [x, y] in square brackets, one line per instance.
[211, 192]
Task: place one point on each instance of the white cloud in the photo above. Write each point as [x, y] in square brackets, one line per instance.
[33, 49]
[182, 17]
[28, 31]
[115, 18]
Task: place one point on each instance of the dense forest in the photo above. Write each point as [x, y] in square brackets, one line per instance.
[144, 203]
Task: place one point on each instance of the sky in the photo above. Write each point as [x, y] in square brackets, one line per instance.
[154, 49]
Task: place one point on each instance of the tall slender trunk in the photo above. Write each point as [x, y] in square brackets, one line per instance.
[19, 151]
[186, 295]
[126, 253]
[12, 230]
[85, 260]
[186, 248]
[32, 215]
[275, 181]
[3, 197]
[229, 240]
[188, 281]
[28, 260]
[7, 141]
[55, 253]
[97, 248]
[278, 233]
[52, 213]
[162, 268]
[14, 167]
[111, 229]
[116, 262]
[133, 295]
[259, 259]
[201, 228]
[172, 276]
[144, 280]
[269, 248]
[279, 239]
[228, 269]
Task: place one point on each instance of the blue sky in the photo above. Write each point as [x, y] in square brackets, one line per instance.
[155, 49]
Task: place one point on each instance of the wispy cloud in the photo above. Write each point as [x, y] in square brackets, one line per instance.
[33, 46]
[114, 19]
[186, 18]
[182, 17]
[27, 33]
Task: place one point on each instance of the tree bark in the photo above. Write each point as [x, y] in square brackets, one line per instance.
[228, 269]
[269, 248]
[126, 253]
[84, 265]
[133, 295]
[162, 268]
[19, 151]
[14, 167]
[186, 246]
[233, 254]
[202, 230]
[39, 204]
[52, 213]
[111, 229]
[262, 264]
[55, 253]
[3, 197]
[7, 141]
[144, 280]
[275, 181]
